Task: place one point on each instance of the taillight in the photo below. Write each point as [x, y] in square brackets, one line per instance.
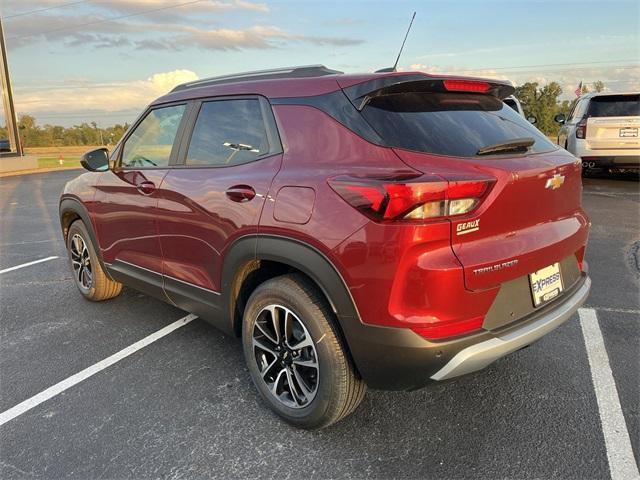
[416, 199]
[581, 129]
[466, 86]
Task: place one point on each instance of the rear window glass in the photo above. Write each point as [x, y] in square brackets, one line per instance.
[457, 124]
[615, 106]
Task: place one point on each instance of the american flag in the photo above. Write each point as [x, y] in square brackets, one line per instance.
[579, 90]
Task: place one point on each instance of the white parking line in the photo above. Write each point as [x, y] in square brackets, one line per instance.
[28, 264]
[622, 464]
[60, 387]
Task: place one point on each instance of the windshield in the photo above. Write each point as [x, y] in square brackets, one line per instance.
[615, 106]
[455, 124]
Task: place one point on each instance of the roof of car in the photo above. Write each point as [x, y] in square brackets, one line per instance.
[304, 81]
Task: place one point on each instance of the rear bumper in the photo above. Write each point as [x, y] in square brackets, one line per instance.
[399, 359]
[606, 158]
[478, 356]
[612, 161]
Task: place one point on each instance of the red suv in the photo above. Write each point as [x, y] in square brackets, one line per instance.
[383, 229]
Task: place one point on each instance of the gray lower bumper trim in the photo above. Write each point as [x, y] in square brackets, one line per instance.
[478, 356]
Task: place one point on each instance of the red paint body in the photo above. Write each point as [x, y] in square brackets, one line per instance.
[399, 275]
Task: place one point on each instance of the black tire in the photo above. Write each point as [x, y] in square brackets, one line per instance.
[338, 389]
[93, 282]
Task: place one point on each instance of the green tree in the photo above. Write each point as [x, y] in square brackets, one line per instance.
[542, 103]
[597, 86]
[29, 131]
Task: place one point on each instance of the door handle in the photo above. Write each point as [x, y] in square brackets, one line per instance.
[146, 187]
[240, 193]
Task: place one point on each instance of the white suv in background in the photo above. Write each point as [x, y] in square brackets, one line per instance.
[514, 103]
[602, 130]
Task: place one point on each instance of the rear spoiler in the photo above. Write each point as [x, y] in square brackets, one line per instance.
[361, 93]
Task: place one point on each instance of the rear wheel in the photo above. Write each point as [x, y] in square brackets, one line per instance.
[88, 274]
[295, 356]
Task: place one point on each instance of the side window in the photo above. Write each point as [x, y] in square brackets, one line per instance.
[511, 103]
[579, 111]
[228, 132]
[151, 142]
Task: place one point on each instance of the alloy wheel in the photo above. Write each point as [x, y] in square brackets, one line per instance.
[286, 356]
[81, 262]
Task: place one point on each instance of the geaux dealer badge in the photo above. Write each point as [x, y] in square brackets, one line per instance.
[468, 227]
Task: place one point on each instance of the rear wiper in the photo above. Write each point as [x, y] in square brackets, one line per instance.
[515, 145]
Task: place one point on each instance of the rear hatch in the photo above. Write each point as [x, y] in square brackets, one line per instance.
[530, 218]
[613, 122]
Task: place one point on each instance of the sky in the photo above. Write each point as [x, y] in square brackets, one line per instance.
[105, 60]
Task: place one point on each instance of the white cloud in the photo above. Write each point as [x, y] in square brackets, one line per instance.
[133, 6]
[17, 7]
[163, 82]
[171, 34]
[114, 97]
[258, 37]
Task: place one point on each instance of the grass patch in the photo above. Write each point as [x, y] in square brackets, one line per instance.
[54, 162]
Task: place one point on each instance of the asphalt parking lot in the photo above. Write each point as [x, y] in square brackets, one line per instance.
[184, 406]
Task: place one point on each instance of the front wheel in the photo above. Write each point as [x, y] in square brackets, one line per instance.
[295, 355]
[90, 278]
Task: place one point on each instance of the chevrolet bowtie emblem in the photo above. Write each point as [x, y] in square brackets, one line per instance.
[555, 182]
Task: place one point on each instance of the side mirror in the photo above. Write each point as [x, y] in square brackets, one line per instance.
[560, 118]
[96, 160]
[532, 120]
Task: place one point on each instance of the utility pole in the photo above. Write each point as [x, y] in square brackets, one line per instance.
[7, 97]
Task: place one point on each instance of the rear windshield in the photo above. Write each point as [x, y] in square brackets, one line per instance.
[456, 124]
[614, 106]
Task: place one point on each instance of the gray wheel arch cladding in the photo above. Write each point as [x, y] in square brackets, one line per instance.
[300, 256]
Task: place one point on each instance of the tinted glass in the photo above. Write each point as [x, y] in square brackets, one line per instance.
[228, 132]
[511, 103]
[151, 142]
[448, 123]
[615, 106]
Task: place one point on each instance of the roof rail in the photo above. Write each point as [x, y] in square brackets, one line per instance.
[288, 72]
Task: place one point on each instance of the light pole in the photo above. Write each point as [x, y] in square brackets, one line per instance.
[7, 97]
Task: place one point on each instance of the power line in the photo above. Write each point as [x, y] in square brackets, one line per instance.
[22, 14]
[567, 65]
[563, 64]
[482, 72]
[57, 86]
[607, 82]
[105, 20]
[568, 69]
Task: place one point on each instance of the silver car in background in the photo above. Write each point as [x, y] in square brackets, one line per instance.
[602, 130]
